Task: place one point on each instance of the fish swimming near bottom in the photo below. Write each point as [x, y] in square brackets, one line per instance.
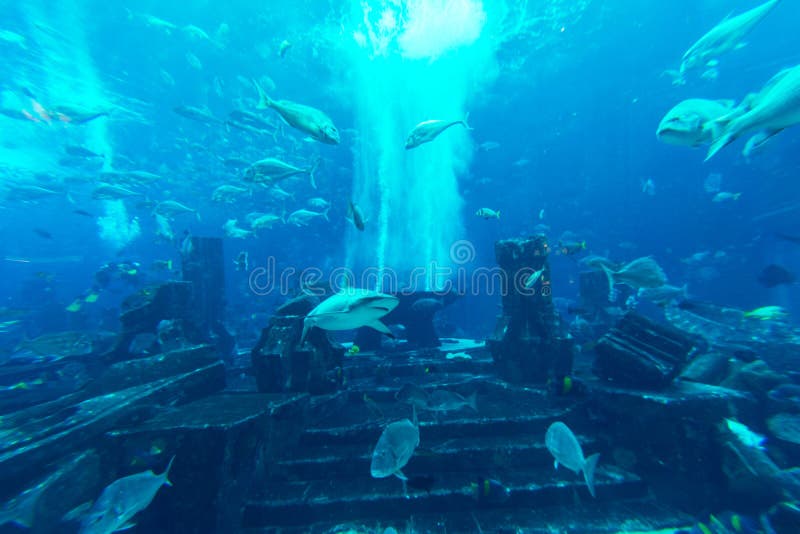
[122, 499]
[394, 449]
[566, 450]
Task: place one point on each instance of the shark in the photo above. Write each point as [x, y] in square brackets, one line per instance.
[774, 108]
[724, 37]
[352, 308]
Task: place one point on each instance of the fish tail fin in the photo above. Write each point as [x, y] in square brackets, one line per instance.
[588, 471]
[166, 471]
[472, 400]
[498, 214]
[722, 134]
[465, 122]
[264, 102]
[736, 196]
[312, 171]
[325, 214]
[197, 214]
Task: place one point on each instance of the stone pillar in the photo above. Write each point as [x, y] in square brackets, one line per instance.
[202, 264]
[527, 346]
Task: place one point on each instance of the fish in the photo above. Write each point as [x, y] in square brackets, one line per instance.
[304, 217]
[487, 213]
[725, 196]
[663, 295]
[317, 203]
[490, 491]
[172, 208]
[569, 248]
[81, 152]
[229, 193]
[766, 313]
[77, 115]
[84, 213]
[566, 450]
[775, 275]
[413, 395]
[394, 449]
[240, 118]
[746, 437]
[44, 234]
[691, 122]
[774, 108]
[350, 309]
[269, 171]
[442, 400]
[143, 343]
[234, 232]
[304, 118]
[724, 37]
[641, 272]
[533, 278]
[785, 426]
[427, 131]
[242, 261]
[163, 228]
[427, 306]
[283, 48]
[197, 114]
[123, 499]
[106, 191]
[267, 220]
[357, 216]
[29, 192]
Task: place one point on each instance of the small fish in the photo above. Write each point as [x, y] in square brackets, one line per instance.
[487, 213]
[570, 248]
[724, 196]
[44, 234]
[767, 313]
[747, 437]
[162, 265]
[442, 400]
[487, 490]
[357, 216]
[83, 213]
[533, 278]
[413, 395]
[284, 48]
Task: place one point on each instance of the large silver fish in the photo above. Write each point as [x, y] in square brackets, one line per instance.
[122, 499]
[305, 118]
[775, 107]
[394, 449]
[566, 450]
[725, 36]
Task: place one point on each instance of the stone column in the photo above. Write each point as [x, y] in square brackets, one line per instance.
[527, 346]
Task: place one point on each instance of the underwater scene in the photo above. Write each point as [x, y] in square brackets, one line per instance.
[400, 266]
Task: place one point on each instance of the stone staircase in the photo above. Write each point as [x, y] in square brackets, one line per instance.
[324, 483]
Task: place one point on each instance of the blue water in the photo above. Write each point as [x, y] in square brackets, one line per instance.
[571, 92]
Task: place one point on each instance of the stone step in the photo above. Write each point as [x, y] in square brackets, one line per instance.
[582, 517]
[494, 454]
[450, 426]
[362, 498]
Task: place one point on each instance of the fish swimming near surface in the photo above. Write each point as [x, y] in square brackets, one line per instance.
[724, 37]
[566, 450]
[690, 122]
[123, 499]
[351, 309]
[304, 118]
[427, 131]
[774, 108]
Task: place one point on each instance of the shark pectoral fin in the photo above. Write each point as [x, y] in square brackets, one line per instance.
[380, 327]
[126, 526]
[719, 143]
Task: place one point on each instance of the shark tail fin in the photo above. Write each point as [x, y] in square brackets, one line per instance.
[325, 213]
[264, 101]
[588, 471]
